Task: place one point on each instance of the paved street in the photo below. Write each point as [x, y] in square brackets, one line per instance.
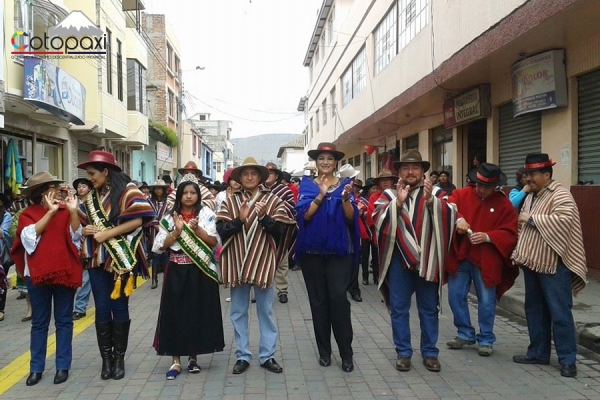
[464, 375]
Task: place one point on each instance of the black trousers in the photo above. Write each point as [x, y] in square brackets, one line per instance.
[326, 278]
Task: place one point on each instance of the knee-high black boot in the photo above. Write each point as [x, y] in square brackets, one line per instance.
[120, 337]
[105, 344]
[154, 276]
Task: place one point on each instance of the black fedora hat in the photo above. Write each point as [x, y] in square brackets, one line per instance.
[5, 200]
[368, 184]
[85, 181]
[272, 167]
[488, 175]
[326, 147]
[535, 161]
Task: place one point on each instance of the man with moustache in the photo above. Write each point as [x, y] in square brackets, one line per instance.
[414, 227]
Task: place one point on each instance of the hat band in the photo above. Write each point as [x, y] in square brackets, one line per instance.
[486, 179]
[539, 165]
[326, 148]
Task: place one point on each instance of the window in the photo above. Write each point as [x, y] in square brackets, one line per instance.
[194, 144]
[316, 61]
[177, 67]
[323, 45]
[177, 107]
[354, 78]
[412, 19]
[357, 161]
[317, 121]
[311, 128]
[330, 24]
[411, 142]
[119, 70]
[333, 103]
[368, 169]
[385, 40]
[324, 108]
[217, 166]
[170, 103]
[108, 61]
[442, 149]
[136, 86]
[351, 161]
[169, 57]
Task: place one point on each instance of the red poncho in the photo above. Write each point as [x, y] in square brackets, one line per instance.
[497, 217]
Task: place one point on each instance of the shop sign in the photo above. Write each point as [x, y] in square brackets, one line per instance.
[49, 87]
[539, 82]
[468, 106]
[164, 152]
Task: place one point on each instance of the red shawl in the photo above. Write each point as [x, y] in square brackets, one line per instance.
[55, 260]
[497, 217]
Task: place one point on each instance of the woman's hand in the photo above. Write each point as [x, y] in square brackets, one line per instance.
[346, 192]
[324, 186]
[90, 230]
[51, 202]
[71, 203]
[101, 237]
[178, 222]
[193, 224]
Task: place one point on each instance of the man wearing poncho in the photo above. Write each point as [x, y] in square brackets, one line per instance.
[551, 254]
[251, 223]
[414, 226]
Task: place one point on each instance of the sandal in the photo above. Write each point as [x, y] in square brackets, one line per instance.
[173, 372]
[193, 367]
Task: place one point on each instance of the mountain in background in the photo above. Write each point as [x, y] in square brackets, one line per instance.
[263, 148]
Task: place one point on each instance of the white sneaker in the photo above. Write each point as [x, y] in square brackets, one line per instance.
[228, 299]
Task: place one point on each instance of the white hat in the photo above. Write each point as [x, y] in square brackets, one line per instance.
[347, 171]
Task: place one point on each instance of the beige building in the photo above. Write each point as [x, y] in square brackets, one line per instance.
[499, 80]
[75, 95]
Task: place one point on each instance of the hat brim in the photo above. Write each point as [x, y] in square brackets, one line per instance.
[264, 172]
[393, 177]
[338, 155]
[196, 171]
[166, 185]
[501, 181]
[30, 189]
[86, 164]
[425, 164]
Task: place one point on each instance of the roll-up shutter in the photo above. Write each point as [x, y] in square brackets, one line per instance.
[517, 137]
[588, 138]
[83, 153]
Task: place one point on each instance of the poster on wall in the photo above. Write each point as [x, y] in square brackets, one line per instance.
[539, 82]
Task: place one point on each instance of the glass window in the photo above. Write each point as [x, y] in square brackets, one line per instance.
[411, 142]
[330, 22]
[317, 127]
[385, 40]
[119, 70]
[359, 73]
[333, 102]
[357, 161]
[136, 86]
[412, 19]
[108, 61]
[347, 86]
[170, 104]
[169, 57]
[368, 169]
[324, 108]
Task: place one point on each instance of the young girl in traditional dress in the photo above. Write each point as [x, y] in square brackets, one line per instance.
[189, 320]
[113, 212]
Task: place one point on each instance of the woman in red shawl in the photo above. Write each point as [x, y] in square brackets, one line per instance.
[46, 254]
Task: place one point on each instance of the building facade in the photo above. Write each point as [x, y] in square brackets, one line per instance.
[456, 81]
[216, 136]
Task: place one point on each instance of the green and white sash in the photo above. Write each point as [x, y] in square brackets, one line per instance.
[119, 248]
[193, 247]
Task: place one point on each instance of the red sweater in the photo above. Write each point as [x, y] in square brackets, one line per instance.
[497, 217]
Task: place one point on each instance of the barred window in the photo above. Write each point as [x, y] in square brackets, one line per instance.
[385, 39]
[414, 16]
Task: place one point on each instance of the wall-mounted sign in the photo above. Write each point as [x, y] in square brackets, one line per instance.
[164, 152]
[54, 90]
[539, 82]
[468, 106]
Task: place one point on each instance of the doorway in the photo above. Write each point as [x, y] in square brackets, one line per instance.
[475, 135]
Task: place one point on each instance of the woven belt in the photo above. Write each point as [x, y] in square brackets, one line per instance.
[180, 258]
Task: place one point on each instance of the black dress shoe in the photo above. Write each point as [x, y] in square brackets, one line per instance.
[61, 376]
[272, 366]
[240, 367]
[78, 315]
[347, 365]
[283, 298]
[529, 360]
[568, 371]
[357, 298]
[33, 378]
[325, 361]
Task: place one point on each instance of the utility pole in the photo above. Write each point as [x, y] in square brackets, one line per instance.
[180, 119]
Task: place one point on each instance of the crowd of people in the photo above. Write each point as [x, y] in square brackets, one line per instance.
[409, 232]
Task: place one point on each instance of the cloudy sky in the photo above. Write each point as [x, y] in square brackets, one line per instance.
[252, 51]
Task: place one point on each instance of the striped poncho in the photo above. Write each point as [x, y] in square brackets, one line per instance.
[287, 242]
[250, 256]
[555, 233]
[420, 232]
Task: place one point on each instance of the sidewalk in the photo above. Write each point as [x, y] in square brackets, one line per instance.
[586, 311]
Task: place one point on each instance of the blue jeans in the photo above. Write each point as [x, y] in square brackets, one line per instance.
[403, 283]
[82, 298]
[42, 298]
[107, 309]
[548, 304]
[458, 288]
[240, 303]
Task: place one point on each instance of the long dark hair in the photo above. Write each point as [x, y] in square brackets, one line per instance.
[177, 205]
[117, 180]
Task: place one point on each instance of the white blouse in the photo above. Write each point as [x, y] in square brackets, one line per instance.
[206, 221]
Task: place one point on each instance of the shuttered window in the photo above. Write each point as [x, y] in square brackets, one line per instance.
[588, 138]
[518, 137]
